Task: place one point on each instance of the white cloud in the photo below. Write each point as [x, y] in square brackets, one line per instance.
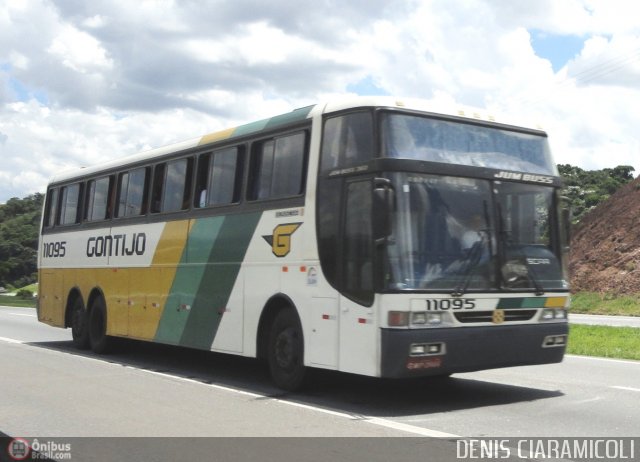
[82, 82]
[79, 51]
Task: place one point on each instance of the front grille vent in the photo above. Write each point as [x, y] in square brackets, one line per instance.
[487, 316]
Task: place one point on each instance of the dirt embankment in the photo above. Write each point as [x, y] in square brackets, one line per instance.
[605, 246]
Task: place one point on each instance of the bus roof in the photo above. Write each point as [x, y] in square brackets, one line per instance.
[297, 115]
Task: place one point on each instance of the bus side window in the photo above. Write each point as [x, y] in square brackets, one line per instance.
[347, 141]
[97, 202]
[219, 178]
[51, 208]
[201, 180]
[278, 167]
[172, 186]
[70, 204]
[157, 187]
[132, 193]
[225, 177]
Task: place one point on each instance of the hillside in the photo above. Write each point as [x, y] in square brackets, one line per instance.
[605, 247]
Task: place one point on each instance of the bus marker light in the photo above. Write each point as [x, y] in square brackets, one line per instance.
[434, 318]
[398, 318]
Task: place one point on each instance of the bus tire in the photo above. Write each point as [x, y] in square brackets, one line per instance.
[98, 338]
[79, 325]
[286, 351]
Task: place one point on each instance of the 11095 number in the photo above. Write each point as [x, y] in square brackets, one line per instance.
[54, 249]
[445, 304]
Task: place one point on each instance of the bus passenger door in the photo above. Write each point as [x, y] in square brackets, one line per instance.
[358, 323]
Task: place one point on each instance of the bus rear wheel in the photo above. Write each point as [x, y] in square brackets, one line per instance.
[286, 351]
[79, 325]
[100, 342]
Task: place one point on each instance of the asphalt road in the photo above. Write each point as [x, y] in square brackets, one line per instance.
[598, 320]
[49, 389]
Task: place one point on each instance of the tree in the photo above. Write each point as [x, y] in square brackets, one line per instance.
[586, 189]
[19, 224]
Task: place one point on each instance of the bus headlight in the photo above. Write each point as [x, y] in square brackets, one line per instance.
[434, 318]
[422, 318]
[560, 314]
[551, 314]
[419, 318]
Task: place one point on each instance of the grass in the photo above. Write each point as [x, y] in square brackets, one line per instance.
[8, 300]
[606, 304]
[13, 300]
[604, 341]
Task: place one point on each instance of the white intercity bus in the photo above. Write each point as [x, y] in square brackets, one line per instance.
[374, 236]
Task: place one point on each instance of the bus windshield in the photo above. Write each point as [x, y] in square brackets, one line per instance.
[421, 138]
[457, 234]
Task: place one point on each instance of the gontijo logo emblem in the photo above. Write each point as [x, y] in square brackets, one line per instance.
[280, 240]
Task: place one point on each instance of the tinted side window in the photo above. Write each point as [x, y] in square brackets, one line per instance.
[69, 204]
[98, 199]
[132, 193]
[279, 167]
[51, 209]
[347, 140]
[224, 177]
[263, 169]
[172, 186]
[177, 185]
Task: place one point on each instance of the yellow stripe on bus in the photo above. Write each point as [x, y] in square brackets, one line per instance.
[555, 302]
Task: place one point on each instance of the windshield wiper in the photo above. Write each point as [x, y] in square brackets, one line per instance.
[475, 254]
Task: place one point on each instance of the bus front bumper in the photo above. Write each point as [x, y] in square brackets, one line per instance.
[468, 349]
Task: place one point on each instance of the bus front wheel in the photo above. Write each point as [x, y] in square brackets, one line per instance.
[286, 351]
[98, 338]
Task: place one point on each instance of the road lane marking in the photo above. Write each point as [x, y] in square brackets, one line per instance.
[613, 360]
[364, 418]
[22, 314]
[626, 388]
[353, 417]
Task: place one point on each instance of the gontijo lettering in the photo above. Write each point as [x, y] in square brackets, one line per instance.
[117, 245]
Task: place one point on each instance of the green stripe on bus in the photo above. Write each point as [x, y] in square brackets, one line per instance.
[274, 122]
[188, 279]
[218, 279]
[291, 117]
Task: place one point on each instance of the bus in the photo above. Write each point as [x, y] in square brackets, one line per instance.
[369, 235]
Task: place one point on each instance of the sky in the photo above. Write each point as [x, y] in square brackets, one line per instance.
[85, 82]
